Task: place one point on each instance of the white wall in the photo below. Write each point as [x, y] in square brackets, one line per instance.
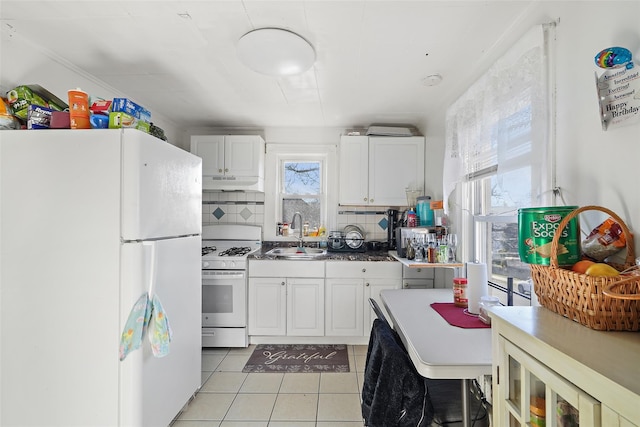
[595, 166]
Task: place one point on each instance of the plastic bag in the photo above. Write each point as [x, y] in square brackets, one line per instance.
[604, 240]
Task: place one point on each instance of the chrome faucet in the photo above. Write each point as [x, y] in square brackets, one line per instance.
[299, 215]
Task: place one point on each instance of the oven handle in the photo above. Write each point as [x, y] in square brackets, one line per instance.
[220, 275]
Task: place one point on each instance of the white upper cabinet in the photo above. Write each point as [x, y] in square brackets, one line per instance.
[231, 162]
[376, 170]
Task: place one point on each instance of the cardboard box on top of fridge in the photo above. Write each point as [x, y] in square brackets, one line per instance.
[38, 117]
[60, 120]
[119, 120]
[21, 97]
[125, 105]
[100, 106]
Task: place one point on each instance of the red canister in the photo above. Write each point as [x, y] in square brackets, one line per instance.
[460, 292]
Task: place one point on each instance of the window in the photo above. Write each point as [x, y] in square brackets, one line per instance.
[302, 191]
[497, 159]
[299, 178]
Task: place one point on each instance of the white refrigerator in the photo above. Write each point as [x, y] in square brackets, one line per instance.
[82, 213]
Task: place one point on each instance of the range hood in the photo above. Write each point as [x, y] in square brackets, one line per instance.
[233, 183]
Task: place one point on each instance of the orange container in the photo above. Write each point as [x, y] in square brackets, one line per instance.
[79, 109]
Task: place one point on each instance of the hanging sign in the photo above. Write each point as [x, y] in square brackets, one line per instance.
[618, 88]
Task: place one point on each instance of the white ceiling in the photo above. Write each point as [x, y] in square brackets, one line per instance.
[178, 58]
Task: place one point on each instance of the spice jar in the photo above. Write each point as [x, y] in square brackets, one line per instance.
[460, 292]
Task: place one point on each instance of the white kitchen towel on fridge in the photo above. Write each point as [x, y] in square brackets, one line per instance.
[147, 317]
[135, 327]
[477, 285]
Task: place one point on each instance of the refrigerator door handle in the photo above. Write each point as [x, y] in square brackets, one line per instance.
[152, 266]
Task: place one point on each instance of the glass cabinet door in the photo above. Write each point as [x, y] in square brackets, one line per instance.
[532, 395]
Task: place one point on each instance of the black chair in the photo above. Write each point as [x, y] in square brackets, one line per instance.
[376, 309]
[394, 394]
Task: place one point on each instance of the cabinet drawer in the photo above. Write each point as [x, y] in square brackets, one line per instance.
[286, 268]
[364, 269]
[418, 284]
[418, 273]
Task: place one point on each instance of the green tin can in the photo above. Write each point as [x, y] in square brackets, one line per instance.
[536, 228]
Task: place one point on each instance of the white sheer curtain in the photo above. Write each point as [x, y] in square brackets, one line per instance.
[501, 123]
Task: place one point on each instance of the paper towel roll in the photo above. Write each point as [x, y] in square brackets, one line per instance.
[477, 285]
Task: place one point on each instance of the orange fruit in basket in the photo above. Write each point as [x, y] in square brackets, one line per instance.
[582, 266]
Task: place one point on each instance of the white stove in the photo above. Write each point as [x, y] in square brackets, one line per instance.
[225, 249]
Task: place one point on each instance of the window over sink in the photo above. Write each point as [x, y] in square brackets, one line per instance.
[302, 190]
[300, 178]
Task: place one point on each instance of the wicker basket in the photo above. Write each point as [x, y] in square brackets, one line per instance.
[601, 303]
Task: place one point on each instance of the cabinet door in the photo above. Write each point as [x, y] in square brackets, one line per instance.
[354, 170]
[372, 289]
[343, 309]
[211, 149]
[395, 163]
[267, 306]
[528, 391]
[243, 154]
[305, 307]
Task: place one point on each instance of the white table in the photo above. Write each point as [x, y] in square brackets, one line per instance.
[437, 349]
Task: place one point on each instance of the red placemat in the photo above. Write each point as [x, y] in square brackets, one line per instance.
[458, 316]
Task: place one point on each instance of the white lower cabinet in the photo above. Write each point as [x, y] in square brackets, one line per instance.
[545, 365]
[317, 298]
[305, 307]
[343, 309]
[349, 285]
[267, 306]
[531, 394]
[286, 298]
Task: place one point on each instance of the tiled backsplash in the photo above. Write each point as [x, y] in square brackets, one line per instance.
[373, 221]
[248, 208]
[233, 208]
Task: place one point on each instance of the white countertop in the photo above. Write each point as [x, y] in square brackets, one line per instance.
[437, 349]
[602, 357]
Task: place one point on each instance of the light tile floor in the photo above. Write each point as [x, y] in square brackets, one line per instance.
[232, 398]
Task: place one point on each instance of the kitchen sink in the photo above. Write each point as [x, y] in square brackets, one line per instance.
[297, 253]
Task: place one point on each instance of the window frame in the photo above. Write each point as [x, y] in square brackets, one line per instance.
[276, 154]
[282, 196]
[473, 191]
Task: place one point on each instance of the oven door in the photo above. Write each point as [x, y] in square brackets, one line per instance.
[224, 298]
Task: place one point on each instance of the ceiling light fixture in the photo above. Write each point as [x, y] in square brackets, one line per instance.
[275, 52]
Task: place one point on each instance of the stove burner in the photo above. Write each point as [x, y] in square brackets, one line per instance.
[236, 251]
[208, 249]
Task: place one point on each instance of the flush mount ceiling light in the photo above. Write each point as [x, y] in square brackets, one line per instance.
[275, 52]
